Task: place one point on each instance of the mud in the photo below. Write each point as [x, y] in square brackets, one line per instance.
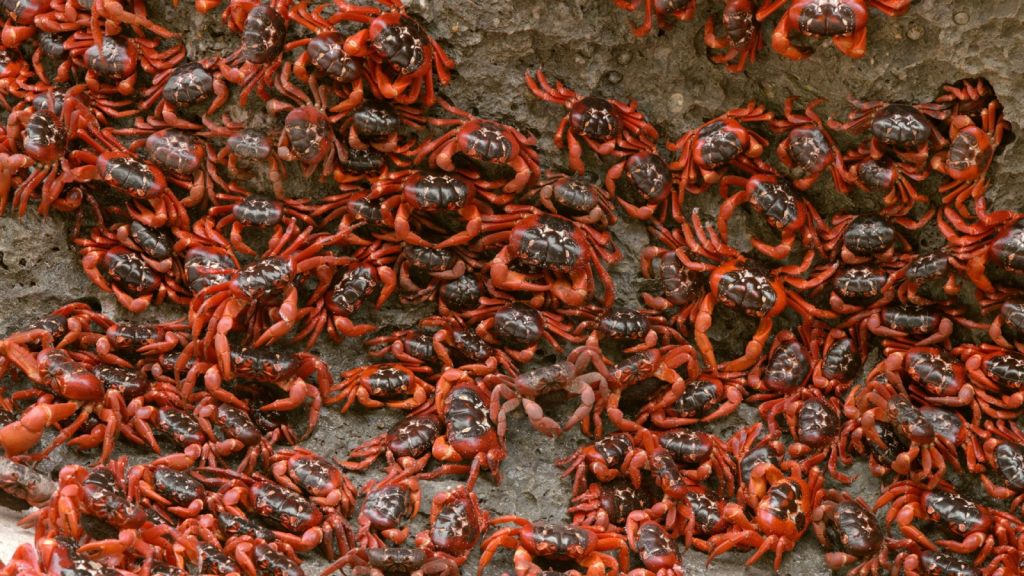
[588, 45]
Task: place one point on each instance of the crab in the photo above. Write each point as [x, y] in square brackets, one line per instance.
[814, 421]
[41, 133]
[890, 422]
[726, 140]
[307, 473]
[109, 161]
[849, 532]
[996, 375]
[402, 58]
[890, 177]
[967, 159]
[245, 149]
[908, 131]
[307, 137]
[413, 202]
[188, 84]
[749, 286]
[501, 160]
[642, 184]
[607, 505]
[742, 39]
[298, 522]
[844, 21]
[586, 547]
[930, 375]
[456, 525]
[808, 149]
[518, 329]
[607, 459]
[469, 433]
[780, 517]
[510, 392]
[974, 528]
[377, 385]
[112, 64]
[129, 272]
[236, 214]
[406, 446]
[667, 12]
[680, 458]
[377, 124]
[543, 253]
[608, 127]
[784, 208]
[694, 400]
[341, 293]
[218, 307]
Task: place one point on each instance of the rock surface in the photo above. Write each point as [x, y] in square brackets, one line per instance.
[588, 45]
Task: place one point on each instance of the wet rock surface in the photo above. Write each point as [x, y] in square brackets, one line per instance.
[588, 45]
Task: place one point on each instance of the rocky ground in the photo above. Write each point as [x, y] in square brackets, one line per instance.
[587, 44]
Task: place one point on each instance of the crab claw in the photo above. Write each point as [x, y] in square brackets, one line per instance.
[19, 437]
[21, 357]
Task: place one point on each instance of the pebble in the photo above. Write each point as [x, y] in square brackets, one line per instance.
[961, 18]
[676, 102]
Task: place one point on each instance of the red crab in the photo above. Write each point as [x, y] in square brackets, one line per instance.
[844, 21]
[642, 184]
[129, 273]
[402, 57]
[376, 385]
[412, 200]
[785, 209]
[239, 213]
[510, 392]
[518, 329]
[306, 472]
[469, 433]
[544, 253]
[41, 133]
[501, 160]
[456, 525]
[996, 374]
[781, 516]
[667, 13]
[573, 197]
[406, 445]
[726, 140]
[742, 39]
[975, 529]
[753, 288]
[341, 295]
[307, 137]
[694, 400]
[887, 176]
[299, 523]
[1004, 456]
[966, 162]
[609, 458]
[849, 532]
[586, 547]
[608, 127]
[217, 308]
[876, 409]
[808, 149]
[152, 202]
[906, 130]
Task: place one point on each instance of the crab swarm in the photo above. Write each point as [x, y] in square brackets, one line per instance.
[862, 346]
